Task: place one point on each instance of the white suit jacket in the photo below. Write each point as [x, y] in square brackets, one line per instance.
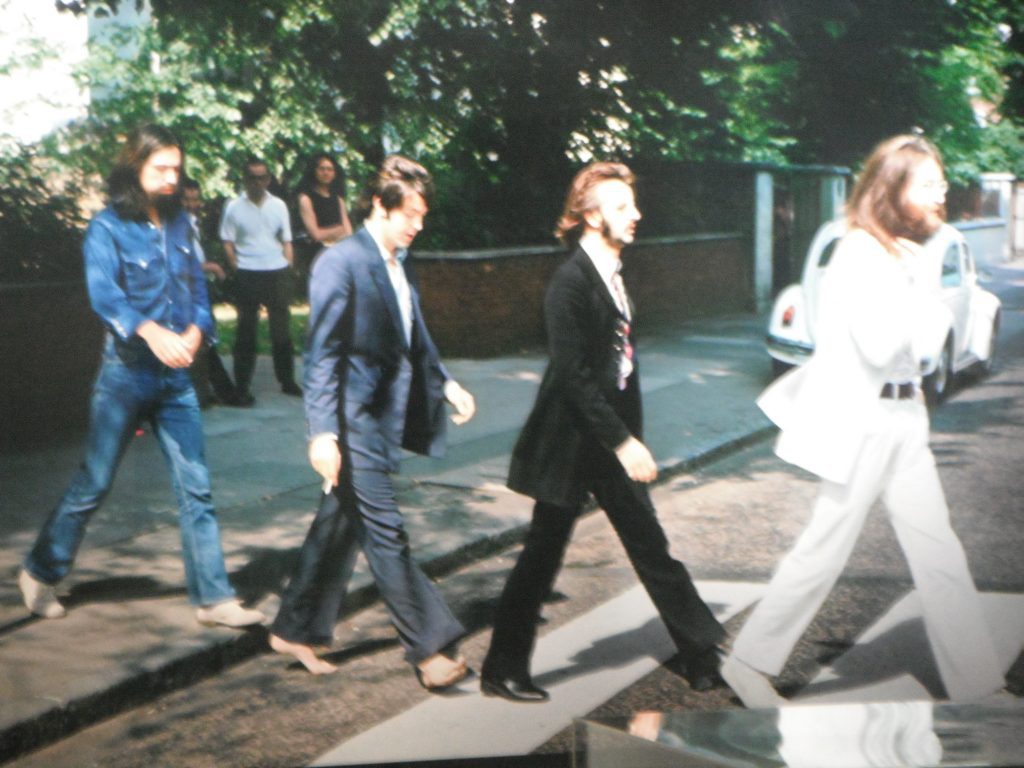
[870, 311]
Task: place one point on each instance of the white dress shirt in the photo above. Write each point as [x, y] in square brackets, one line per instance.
[608, 268]
[399, 282]
[197, 244]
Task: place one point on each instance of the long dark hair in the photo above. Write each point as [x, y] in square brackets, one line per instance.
[307, 184]
[123, 188]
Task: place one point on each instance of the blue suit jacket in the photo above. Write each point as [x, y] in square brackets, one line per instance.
[362, 380]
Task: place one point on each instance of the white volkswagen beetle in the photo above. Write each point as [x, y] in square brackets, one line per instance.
[971, 341]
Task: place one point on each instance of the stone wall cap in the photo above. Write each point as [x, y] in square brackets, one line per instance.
[482, 254]
[50, 285]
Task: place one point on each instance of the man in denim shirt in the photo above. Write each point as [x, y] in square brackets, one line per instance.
[147, 286]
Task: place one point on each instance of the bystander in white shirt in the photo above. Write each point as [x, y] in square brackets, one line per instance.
[258, 232]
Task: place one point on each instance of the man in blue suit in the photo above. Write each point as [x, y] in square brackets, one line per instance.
[374, 384]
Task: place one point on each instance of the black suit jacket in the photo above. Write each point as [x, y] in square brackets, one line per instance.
[579, 407]
[354, 381]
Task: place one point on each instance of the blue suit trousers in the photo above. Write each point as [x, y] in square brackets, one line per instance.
[362, 511]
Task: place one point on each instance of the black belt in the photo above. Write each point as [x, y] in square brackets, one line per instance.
[906, 391]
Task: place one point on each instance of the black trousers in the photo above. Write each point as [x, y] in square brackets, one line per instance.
[273, 290]
[361, 511]
[689, 621]
[210, 378]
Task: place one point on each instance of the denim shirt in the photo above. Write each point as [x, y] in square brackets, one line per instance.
[136, 271]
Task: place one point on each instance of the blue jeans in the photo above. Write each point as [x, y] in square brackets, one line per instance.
[132, 388]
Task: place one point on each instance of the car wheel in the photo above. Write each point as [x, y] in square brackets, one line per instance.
[988, 363]
[936, 384]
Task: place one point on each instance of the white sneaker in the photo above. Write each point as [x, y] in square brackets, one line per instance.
[752, 687]
[230, 613]
[39, 598]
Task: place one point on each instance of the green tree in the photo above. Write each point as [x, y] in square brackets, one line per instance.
[502, 100]
[869, 69]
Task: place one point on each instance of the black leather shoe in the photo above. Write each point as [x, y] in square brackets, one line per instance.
[702, 672]
[243, 400]
[291, 388]
[513, 690]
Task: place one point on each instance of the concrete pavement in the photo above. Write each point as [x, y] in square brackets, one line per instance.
[130, 633]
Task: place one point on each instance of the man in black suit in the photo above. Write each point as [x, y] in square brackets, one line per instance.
[584, 435]
[374, 384]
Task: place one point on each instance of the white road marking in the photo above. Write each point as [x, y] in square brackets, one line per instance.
[582, 664]
[597, 655]
[859, 675]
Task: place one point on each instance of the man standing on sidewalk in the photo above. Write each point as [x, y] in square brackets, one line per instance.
[146, 285]
[374, 385]
[257, 237]
[584, 436]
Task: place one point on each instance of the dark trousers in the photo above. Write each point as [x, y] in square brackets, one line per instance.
[362, 511]
[689, 621]
[305, 253]
[210, 378]
[271, 289]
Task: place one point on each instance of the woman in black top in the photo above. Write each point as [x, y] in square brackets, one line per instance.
[321, 202]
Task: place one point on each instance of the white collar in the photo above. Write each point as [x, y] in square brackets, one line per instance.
[266, 197]
[400, 253]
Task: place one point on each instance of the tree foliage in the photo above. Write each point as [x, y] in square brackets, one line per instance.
[39, 222]
[873, 68]
[502, 100]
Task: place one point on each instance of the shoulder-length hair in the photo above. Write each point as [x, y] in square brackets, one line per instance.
[581, 199]
[123, 187]
[307, 184]
[396, 178]
[877, 203]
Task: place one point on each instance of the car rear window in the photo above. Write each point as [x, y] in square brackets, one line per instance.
[826, 253]
[951, 266]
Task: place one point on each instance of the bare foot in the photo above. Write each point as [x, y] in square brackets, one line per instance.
[438, 671]
[305, 655]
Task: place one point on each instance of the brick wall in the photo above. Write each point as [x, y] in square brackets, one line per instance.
[50, 344]
[487, 303]
[478, 304]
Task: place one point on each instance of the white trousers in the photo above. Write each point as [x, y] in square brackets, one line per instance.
[897, 465]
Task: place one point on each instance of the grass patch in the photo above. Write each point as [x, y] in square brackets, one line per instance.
[227, 328]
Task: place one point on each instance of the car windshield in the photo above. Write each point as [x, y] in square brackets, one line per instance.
[951, 266]
[826, 253]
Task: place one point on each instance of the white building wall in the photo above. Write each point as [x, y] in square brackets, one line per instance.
[40, 48]
[35, 98]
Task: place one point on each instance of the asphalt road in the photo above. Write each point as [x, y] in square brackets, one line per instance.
[729, 521]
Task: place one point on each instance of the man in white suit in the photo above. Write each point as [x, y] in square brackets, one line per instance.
[854, 415]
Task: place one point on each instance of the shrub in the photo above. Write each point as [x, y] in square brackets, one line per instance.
[40, 222]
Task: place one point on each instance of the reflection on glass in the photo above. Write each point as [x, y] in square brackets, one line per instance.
[882, 734]
[858, 735]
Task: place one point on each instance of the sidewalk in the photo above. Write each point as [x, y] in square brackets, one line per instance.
[130, 633]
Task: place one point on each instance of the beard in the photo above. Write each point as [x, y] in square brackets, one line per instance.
[167, 205]
[921, 225]
[616, 241]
